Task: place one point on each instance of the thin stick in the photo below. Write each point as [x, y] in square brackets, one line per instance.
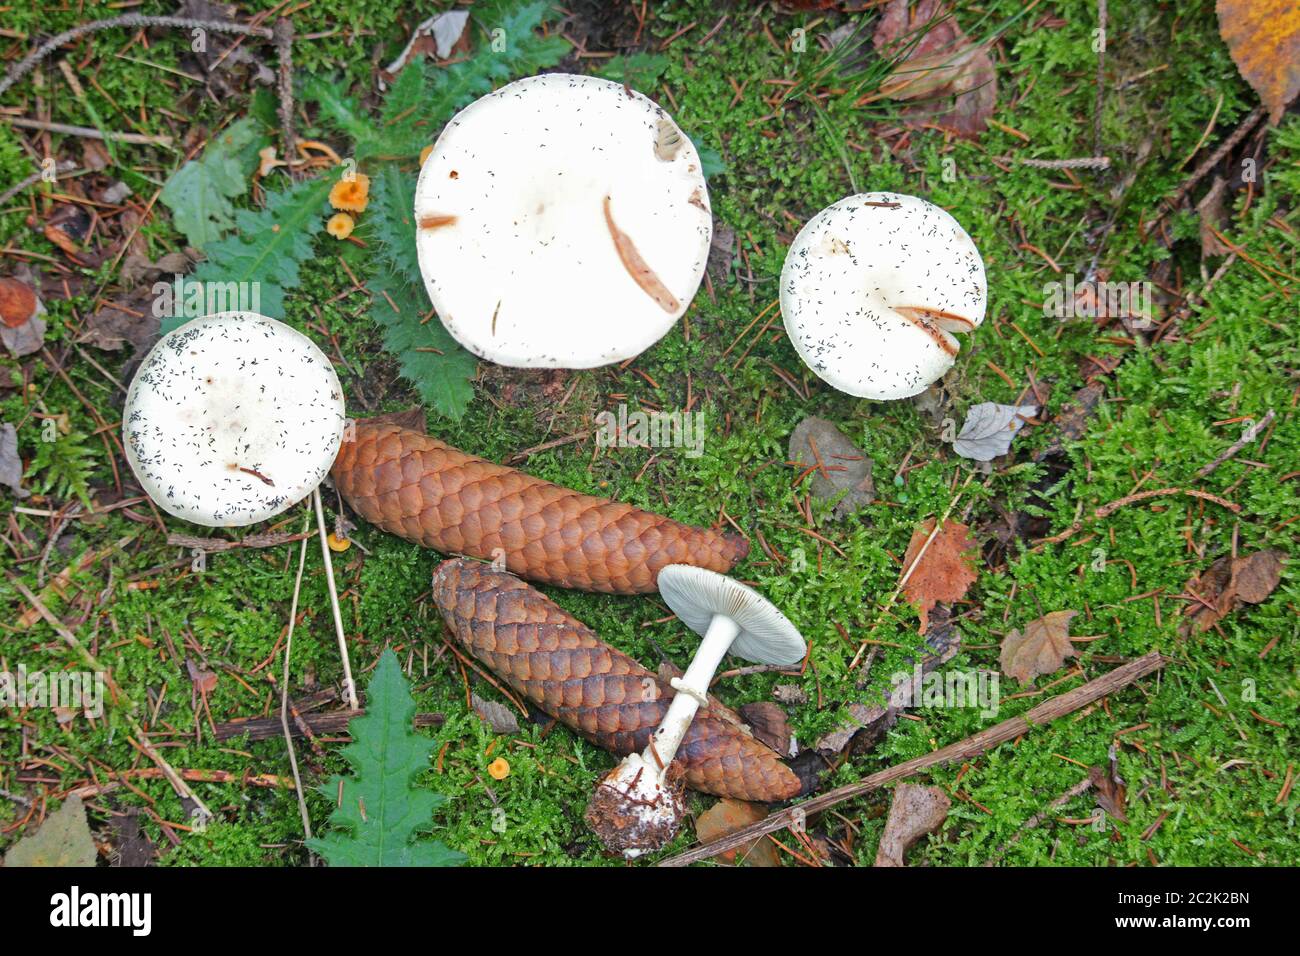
[1101, 80]
[87, 132]
[348, 685]
[1246, 438]
[1037, 819]
[62, 170]
[28, 63]
[284, 684]
[972, 746]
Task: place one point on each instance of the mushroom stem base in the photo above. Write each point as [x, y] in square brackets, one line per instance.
[635, 809]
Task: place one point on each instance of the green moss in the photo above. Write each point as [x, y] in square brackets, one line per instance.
[1206, 769]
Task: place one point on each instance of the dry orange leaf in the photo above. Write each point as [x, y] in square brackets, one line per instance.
[946, 569]
[1263, 37]
[1041, 649]
[726, 817]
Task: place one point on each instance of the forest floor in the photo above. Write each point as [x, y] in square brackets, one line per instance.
[1206, 748]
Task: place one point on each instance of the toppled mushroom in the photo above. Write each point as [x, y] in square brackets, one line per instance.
[873, 289]
[232, 418]
[562, 222]
[639, 806]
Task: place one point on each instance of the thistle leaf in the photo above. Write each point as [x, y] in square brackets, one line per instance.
[392, 217]
[377, 810]
[444, 378]
[270, 246]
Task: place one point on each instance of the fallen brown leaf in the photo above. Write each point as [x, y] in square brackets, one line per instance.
[944, 572]
[939, 63]
[768, 723]
[726, 817]
[1109, 791]
[1041, 649]
[839, 465]
[1263, 37]
[915, 812]
[1229, 583]
[497, 716]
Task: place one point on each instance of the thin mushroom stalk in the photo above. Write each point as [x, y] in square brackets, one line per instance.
[419, 488]
[639, 806]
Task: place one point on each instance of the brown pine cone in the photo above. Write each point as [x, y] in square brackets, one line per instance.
[428, 492]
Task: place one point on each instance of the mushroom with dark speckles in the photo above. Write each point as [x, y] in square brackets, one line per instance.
[231, 419]
[873, 288]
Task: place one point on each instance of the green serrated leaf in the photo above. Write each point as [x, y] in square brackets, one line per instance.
[199, 194]
[379, 808]
[339, 110]
[444, 378]
[392, 219]
[63, 840]
[270, 246]
[421, 100]
[711, 162]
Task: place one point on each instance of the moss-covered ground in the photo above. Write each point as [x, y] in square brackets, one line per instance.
[1206, 747]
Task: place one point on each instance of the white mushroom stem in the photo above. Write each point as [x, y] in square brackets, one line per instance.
[349, 685]
[692, 693]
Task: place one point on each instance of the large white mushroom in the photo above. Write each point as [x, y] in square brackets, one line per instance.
[233, 418]
[640, 804]
[873, 289]
[562, 222]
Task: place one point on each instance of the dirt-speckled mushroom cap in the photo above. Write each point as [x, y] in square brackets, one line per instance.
[562, 222]
[695, 595]
[873, 288]
[232, 418]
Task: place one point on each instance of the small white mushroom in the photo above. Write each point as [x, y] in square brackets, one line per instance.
[873, 288]
[231, 419]
[640, 796]
[562, 222]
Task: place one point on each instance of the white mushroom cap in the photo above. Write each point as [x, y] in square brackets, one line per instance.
[562, 222]
[232, 418]
[872, 290]
[696, 595]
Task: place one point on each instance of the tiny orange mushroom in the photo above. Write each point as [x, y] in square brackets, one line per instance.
[340, 225]
[499, 769]
[351, 194]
